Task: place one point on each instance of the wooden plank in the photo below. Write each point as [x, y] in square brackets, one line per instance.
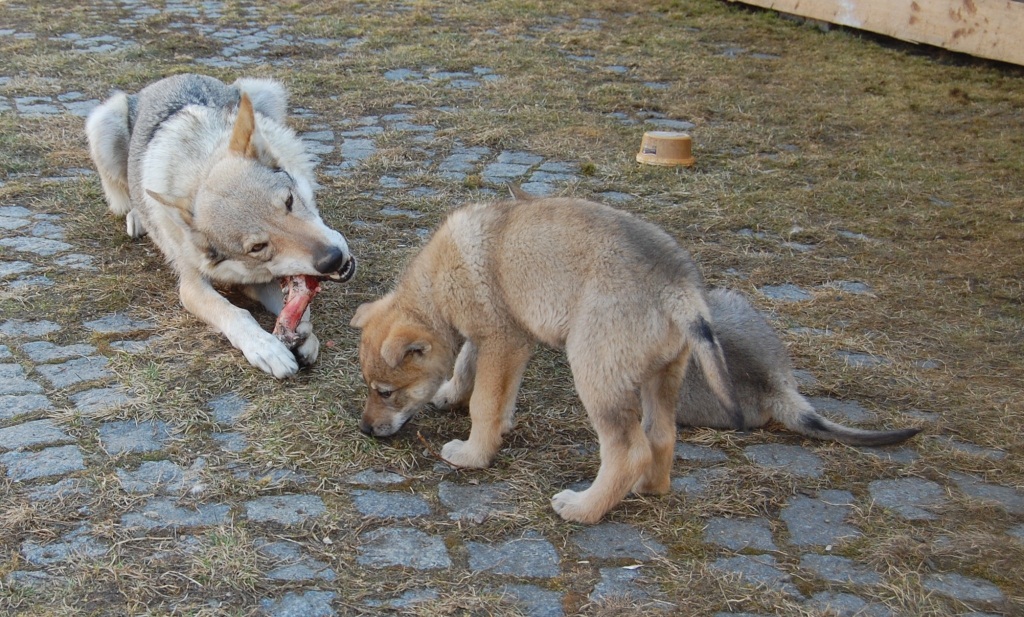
[991, 29]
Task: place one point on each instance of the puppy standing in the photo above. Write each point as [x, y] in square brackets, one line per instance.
[225, 190]
[619, 294]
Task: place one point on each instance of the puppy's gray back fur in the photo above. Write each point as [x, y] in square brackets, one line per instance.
[765, 387]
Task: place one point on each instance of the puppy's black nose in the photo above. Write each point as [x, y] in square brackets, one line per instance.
[365, 428]
[332, 261]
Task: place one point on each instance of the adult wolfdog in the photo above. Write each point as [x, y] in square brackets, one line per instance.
[225, 190]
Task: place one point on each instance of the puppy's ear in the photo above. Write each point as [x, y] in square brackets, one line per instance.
[367, 310]
[403, 341]
[518, 193]
[180, 204]
[242, 135]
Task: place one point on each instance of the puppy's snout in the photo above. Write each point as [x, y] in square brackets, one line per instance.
[365, 428]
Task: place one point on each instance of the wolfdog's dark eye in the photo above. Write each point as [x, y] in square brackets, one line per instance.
[288, 202]
[385, 393]
[256, 248]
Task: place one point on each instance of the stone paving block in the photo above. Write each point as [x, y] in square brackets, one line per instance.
[819, 521]
[616, 541]
[795, 460]
[841, 570]
[14, 268]
[76, 261]
[31, 434]
[847, 605]
[63, 489]
[402, 546]
[26, 579]
[963, 588]
[13, 381]
[131, 436]
[861, 360]
[530, 556]
[231, 442]
[292, 565]
[77, 544]
[306, 604]
[962, 447]
[155, 477]
[14, 405]
[405, 601]
[473, 503]
[96, 400]
[535, 601]
[118, 323]
[72, 372]
[228, 408]
[34, 329]
[372, 477]
[5, 352]
[43, 247]
[619, 584]
[699, 481]
[132, 346]
[55, 461]
[699, 454]
[497, 173]
[15, 211]
[785, 293]
[740, 534]
[164, 512]
[1007, 498]
[284, 509]
[378, 504]
[1016, 532]
[43, 351]
[910, 498]
[758, 570]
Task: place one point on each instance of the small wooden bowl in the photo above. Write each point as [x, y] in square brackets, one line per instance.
[666, 148]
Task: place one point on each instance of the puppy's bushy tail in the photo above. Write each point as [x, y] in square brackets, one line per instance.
[798, 415]
[707, 350]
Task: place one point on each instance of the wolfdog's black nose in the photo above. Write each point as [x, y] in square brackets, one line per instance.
[333, 261]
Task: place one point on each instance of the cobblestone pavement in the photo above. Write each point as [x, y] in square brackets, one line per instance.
[59, 402]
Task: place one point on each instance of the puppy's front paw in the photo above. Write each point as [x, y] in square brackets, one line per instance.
[573, 506]
[270, 355]
[460, 454]
[133, 224]
[446, 397]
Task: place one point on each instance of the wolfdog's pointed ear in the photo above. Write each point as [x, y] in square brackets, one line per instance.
[402, 341]
[518, 193]
[181, 204]
[242, 142]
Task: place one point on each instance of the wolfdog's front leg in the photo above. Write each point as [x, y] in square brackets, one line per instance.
[499, 372]
[261, 348]
[272, 298]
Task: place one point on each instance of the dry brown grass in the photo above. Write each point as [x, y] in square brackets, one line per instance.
[920, 151]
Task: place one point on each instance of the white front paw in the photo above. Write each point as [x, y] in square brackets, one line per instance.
[460, 454]
[270, 355]
[133, 224]
[446, 396]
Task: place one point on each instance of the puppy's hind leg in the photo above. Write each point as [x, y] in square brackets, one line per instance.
[659, 396]
[107, 131]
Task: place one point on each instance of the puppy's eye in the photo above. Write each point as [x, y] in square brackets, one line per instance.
[385, 393]
[257, 248]
[288, 202]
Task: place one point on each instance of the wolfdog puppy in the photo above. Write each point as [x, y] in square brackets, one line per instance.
[763, 376]
[619, 294]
